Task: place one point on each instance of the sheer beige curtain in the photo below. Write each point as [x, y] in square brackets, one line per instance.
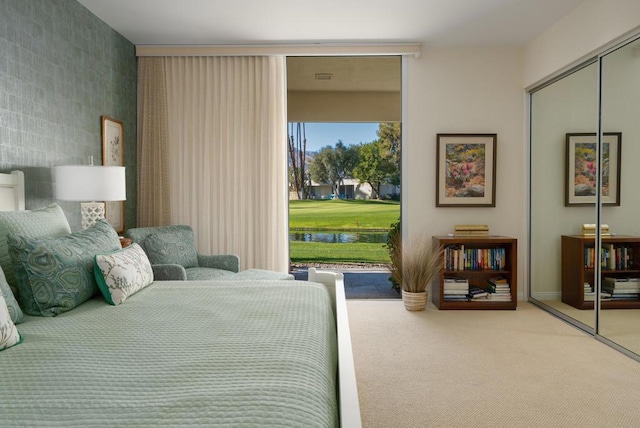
[154, 202]
[227, 164]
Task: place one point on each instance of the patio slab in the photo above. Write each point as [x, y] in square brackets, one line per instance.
[360, 283]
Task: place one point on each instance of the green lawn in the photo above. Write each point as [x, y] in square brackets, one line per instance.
[320, 252]
[338, 214]
[345, 215]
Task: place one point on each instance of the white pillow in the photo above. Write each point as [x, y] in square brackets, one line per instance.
[9, 335]
[123, 273]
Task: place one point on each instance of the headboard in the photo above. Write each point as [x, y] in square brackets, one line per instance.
[12, 191]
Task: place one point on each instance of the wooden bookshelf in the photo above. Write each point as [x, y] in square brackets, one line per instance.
[577, 269]
[476, 275]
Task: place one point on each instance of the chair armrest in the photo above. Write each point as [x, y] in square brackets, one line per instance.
[229, 262]
[169, 272]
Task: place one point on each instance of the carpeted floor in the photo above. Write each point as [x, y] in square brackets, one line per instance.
[522, 368]
[621, 326]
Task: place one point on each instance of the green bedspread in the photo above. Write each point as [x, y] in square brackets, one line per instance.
[179, 354]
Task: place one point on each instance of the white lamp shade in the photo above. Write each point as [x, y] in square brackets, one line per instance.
[90, 183]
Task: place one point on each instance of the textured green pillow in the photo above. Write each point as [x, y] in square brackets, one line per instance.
[9, 335]
[175, 244]
[123, 273]
[48, 221]
[55, 274]
[12, 305]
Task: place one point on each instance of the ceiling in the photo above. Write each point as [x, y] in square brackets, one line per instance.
[431, 22]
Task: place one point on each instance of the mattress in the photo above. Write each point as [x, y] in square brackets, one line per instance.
[258, 353]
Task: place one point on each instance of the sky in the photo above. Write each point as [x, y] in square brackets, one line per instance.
[327, 134]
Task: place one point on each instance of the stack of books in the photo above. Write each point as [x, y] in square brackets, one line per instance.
[477, 230]
[622, 288]
[589, 293]
[499, 289]
[455, 289]
[590, 230]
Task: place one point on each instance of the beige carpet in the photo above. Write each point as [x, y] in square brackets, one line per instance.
[621, 326]
[520, 368]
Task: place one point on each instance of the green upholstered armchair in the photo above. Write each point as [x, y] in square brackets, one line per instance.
[173, 254]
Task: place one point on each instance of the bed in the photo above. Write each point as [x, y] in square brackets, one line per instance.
[239, 353]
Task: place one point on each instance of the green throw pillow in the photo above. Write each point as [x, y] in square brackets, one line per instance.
[175, 244]
[9, 335]
[55, 274]
[123, 273]
[12, 305]
[48, 221]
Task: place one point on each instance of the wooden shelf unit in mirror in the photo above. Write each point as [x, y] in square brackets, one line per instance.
[499, 255]
[577, 268]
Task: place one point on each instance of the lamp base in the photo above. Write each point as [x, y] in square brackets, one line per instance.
[91, 212]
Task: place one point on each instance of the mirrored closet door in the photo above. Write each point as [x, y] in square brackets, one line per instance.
[584, 145]
[619, 318]
[561, 110]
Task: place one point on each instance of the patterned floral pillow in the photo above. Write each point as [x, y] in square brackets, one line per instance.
[9, 335]
[123, 273]
[12, 305]
[55, 274]
[175, 244]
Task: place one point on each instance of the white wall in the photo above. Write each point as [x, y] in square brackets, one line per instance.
[588, 28]
[458, 90]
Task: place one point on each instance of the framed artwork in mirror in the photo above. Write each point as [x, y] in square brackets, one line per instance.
[466, 170]
[581, 168]
[113, 155]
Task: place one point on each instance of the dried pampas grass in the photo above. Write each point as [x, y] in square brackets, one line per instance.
[414, 263]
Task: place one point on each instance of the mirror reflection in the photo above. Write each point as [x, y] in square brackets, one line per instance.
[557, 275]
[620, 315]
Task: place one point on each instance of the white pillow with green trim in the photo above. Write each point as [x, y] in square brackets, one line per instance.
[9, 335]
[123, 273]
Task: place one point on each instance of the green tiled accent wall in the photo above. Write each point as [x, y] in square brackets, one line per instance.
[61, 69]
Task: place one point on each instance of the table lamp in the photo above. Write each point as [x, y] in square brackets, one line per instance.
[90, 183]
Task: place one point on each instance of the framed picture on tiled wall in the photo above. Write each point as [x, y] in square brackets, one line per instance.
[113, 155]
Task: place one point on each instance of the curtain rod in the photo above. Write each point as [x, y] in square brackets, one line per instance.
[319, 49]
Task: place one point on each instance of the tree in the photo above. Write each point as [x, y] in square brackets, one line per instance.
[297, 159]
[375, 166]
[390, 136]
[334, 164]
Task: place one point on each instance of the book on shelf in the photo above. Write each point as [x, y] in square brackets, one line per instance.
[623, 281]
[498, 280]
[471, 230]
[471, 227]
[618, 286]
[612, 257]
[455, 297]
[458, 258]
[625, 296]
[615, 291]
[590, 229]
[456, 291]
[477, 293]
[471, 233]
[455, 279]
[500, 297]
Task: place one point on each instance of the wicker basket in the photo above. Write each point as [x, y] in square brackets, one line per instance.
[414, 301]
